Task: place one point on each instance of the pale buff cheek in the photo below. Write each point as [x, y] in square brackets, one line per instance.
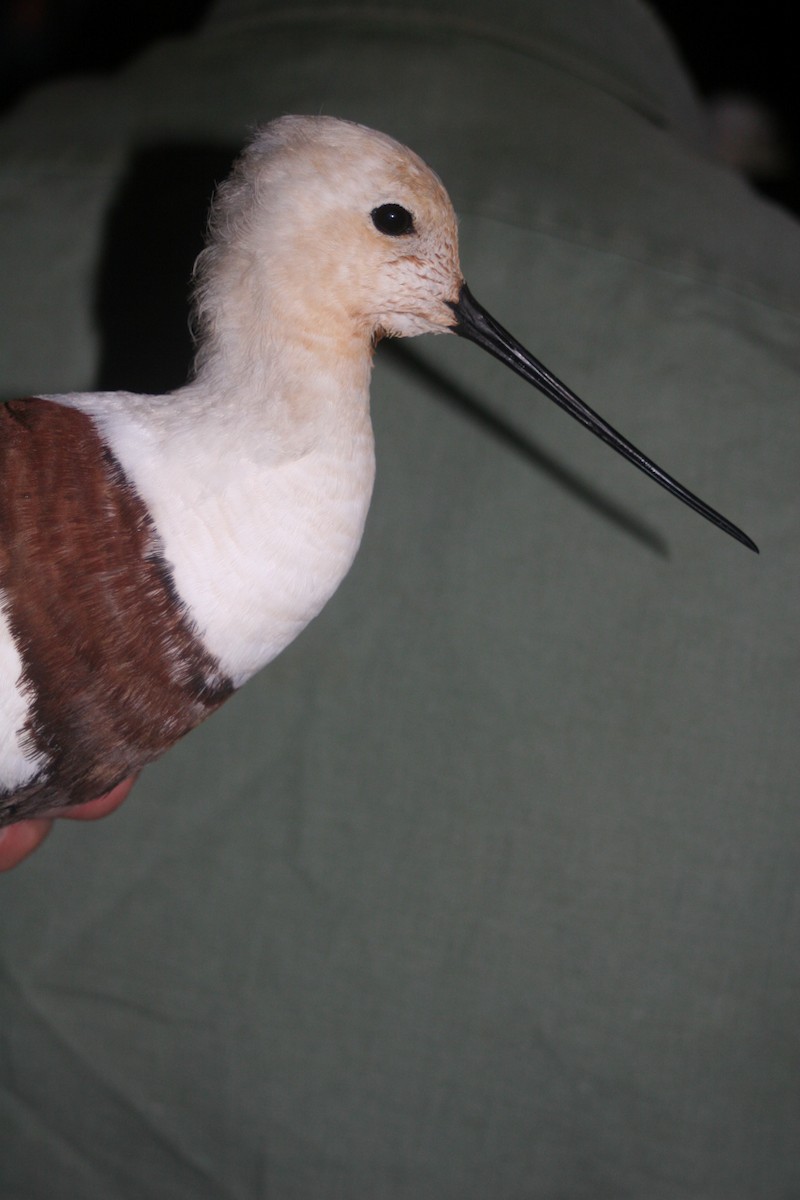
[414, 295]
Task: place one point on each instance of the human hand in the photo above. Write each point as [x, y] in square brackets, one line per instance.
[19, 840]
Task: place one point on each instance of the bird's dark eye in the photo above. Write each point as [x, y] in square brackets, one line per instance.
[392, 219]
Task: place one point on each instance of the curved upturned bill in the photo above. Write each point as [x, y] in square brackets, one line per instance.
[477, 325]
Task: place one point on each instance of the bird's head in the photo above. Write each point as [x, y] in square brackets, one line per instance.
[330, 233]
[336, 229]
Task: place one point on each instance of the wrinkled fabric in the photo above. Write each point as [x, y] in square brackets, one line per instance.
[487, 887]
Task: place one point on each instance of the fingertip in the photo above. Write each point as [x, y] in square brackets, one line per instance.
[20, 840]
[93, 810]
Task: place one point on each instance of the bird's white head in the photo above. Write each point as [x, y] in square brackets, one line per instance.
[329, 228]
[327, 236]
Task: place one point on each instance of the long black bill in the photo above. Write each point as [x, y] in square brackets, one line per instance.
[477, 325]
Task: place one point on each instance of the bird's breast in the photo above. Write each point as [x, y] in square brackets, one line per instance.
[255, 547]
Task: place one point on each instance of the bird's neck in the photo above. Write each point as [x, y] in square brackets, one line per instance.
[298, 368]
[258, 476]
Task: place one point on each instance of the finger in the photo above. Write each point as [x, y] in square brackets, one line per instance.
[20, 840]
[93, 810]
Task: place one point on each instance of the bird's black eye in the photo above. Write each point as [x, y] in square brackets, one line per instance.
[392, 219]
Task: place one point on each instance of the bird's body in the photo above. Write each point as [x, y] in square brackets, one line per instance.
[190, 580]
[156, 551]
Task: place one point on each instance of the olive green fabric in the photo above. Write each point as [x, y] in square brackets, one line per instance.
[487, 888]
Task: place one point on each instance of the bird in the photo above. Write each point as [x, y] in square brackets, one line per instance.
[158, 550]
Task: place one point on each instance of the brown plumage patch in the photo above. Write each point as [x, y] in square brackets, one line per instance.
[114, 670]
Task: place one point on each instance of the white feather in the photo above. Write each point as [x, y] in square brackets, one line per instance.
[19, 763]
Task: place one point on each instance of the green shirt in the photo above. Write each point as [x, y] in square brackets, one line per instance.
[486, 889]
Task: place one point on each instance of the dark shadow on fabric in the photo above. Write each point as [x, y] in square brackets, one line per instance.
[503, 431]
[154, 231]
